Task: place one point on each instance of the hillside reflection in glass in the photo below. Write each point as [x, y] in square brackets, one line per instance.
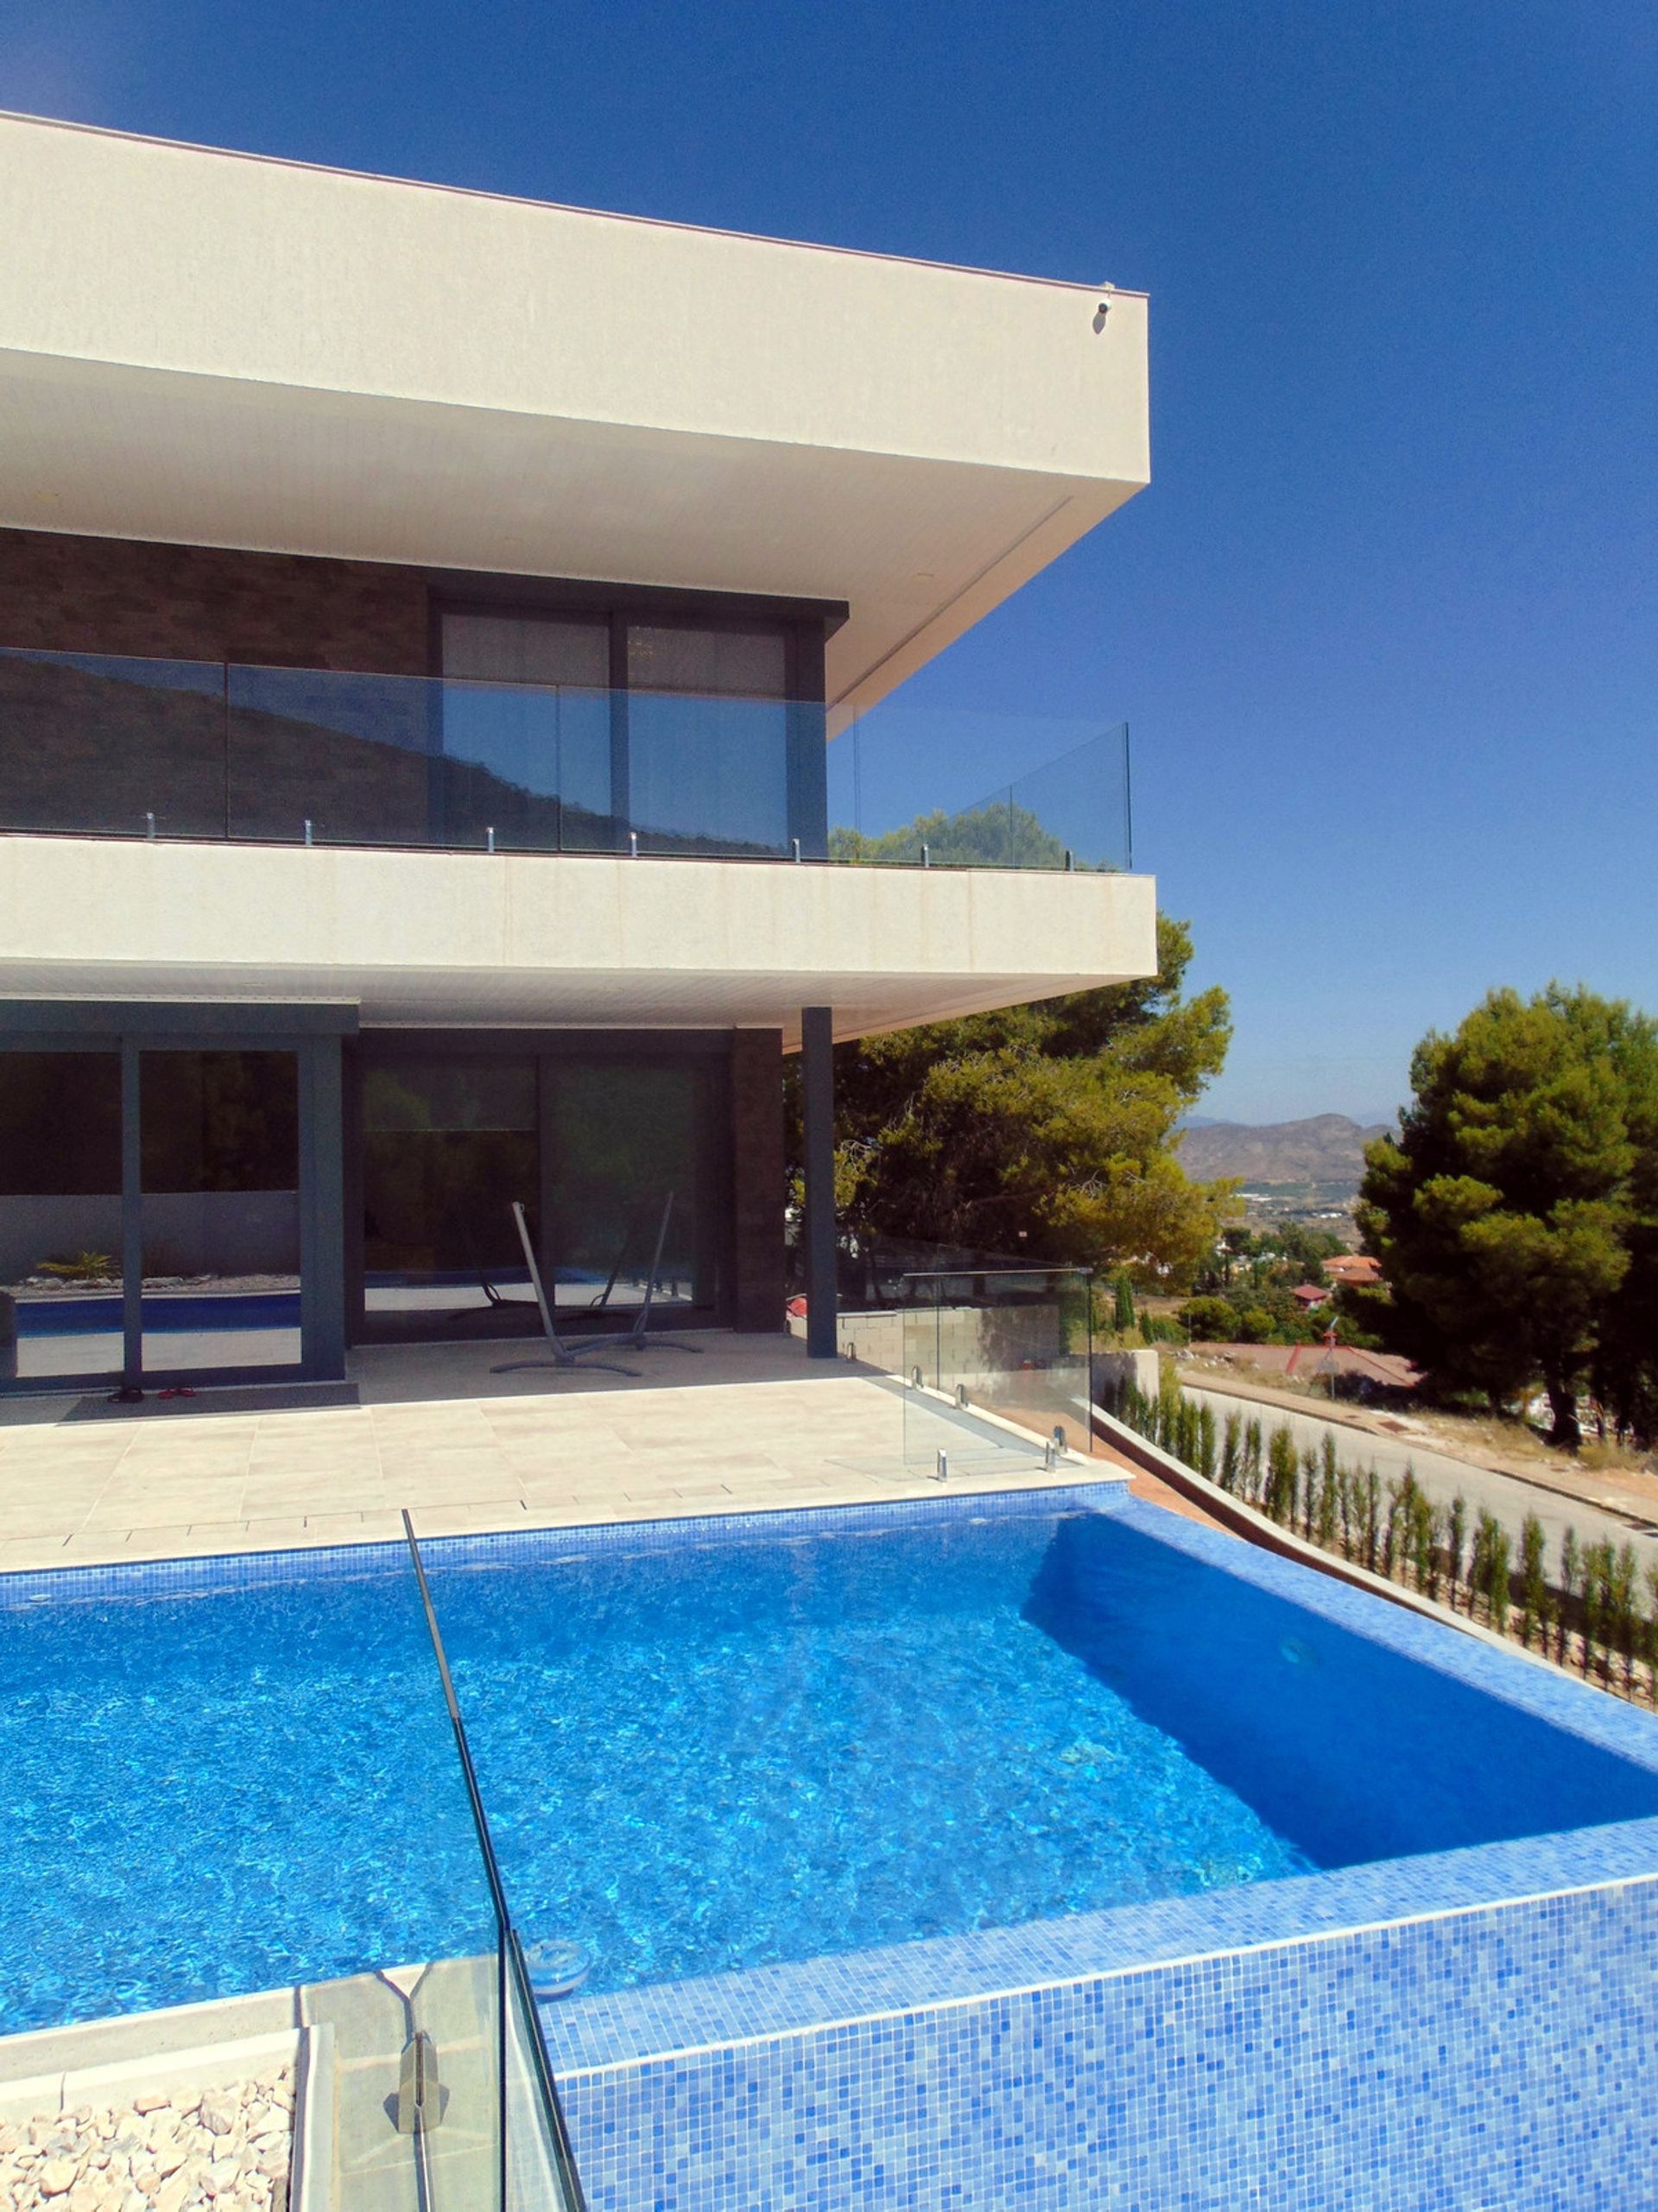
[1073, 811]
[529, 743]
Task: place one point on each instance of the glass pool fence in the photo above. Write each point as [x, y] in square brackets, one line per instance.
[995, 1364]
[449, 2104]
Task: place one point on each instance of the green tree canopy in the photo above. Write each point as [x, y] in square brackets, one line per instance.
[1045, 1129]
[1507, 1214]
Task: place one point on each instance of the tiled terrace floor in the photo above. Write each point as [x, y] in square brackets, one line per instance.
[746, 1424]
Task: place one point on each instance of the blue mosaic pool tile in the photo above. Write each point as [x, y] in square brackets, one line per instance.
[1502, 2057]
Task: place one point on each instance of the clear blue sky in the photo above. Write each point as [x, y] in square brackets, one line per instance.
[1384, 623]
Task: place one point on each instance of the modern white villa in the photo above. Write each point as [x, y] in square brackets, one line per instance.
[428, 625]
[452, 1763]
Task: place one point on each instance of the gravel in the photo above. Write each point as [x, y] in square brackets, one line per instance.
[224, 2150]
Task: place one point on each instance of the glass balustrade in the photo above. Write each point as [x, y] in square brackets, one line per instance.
[1012, 1344]
[101, 745]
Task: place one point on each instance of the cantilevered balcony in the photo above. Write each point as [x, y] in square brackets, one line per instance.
[445, 852]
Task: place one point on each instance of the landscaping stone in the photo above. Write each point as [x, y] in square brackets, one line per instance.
[219, 2152]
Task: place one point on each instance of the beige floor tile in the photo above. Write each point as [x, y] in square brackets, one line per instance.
[752, 1428]
[18, 1554]
[377, 1527]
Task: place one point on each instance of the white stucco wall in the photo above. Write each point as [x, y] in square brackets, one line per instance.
[596, 939]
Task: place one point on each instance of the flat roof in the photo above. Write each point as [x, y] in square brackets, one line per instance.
[225, 349]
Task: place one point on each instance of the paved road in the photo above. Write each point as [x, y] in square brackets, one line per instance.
[1505, 1495]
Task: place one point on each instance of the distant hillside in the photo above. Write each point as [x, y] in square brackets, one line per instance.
[1329, 1149]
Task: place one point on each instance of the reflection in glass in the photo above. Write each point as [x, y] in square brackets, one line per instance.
[528, 723]
[347, 754]
[219, 1143]
[707, 739]
[60, 1214]
[447, 1146]
[625, 1139]
[95, 743]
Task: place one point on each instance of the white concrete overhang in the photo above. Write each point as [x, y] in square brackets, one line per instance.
[594, 941]
[219, 349]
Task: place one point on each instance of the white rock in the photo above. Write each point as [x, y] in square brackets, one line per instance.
[57, 2176]
[219, 2108]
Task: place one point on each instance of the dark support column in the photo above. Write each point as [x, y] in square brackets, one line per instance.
[132, 1227]
[322, 1211]
[818, 1093]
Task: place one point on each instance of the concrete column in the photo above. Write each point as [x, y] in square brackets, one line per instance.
[818, 1094]
[132, 1227]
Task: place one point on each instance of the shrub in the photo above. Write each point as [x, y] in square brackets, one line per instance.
[1534, 1589]
[1456, 1535]
[1206, 1455]
[1571, 1574]
[1210, 1318]
[1371, 1518]
[1231, 1452]
[1281, 1467]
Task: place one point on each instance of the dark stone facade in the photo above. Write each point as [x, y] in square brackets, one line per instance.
[757, 1179]
[64, 594]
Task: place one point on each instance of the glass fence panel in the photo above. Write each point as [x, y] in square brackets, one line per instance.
[98, 744]
[1072, 813]
[532, 765]
[708, 774]
[1012, 1346]
[499, 2139]
[349, 755]
[415, 2042]
[1077, 805]
[540, 2174]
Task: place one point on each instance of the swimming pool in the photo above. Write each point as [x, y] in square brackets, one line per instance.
[819, 1791]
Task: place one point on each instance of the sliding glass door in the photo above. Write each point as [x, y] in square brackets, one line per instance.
[59, 1217]
[170, 1207]
[618, 1159]
[219, 1155]
[447, 1145]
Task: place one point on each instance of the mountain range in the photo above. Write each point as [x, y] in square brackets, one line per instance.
[1329, 1148]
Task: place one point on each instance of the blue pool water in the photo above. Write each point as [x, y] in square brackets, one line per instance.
[707, 1747]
